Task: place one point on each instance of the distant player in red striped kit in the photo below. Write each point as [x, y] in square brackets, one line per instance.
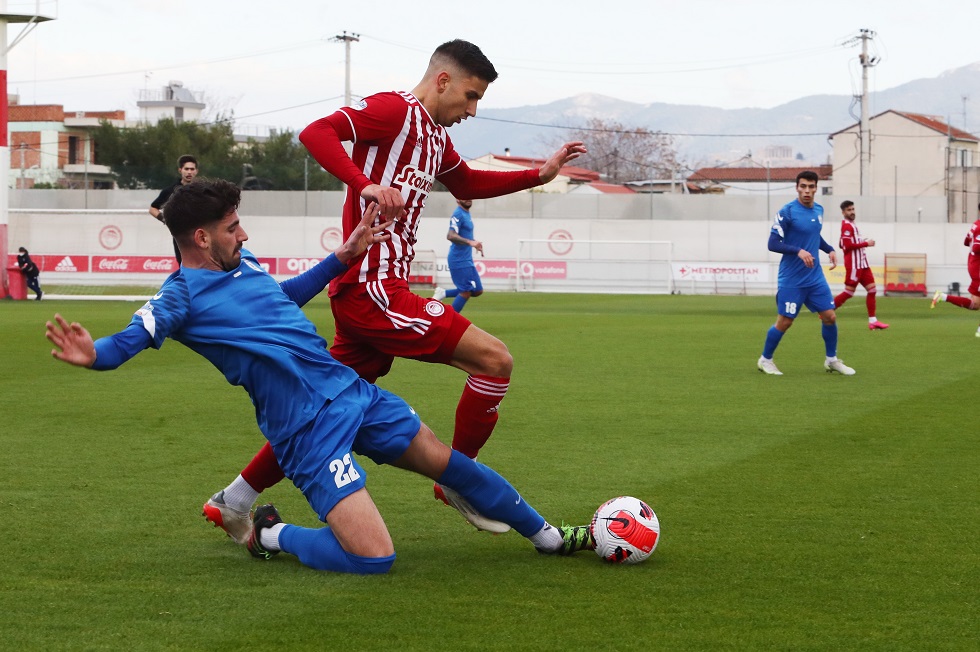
[856, 268]
[972, 240]
[400, 148]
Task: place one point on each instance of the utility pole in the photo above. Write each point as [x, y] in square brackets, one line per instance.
[29, 21]
[867, 62]
[346, 38]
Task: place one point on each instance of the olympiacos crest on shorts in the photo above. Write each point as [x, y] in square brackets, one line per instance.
[435, 308]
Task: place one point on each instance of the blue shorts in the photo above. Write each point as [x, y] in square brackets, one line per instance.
[815, 297]
[466, 279]
[364, 419]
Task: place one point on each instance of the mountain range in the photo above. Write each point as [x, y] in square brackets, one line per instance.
[709, 136]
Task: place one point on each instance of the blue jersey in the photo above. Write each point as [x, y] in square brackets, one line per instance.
[278, 358]
[799, 227]
[462, 223]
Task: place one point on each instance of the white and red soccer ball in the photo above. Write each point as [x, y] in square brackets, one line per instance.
[626, 530]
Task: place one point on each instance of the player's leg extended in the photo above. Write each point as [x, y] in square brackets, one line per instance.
[841, 298]
[489, 365]
[230, 508]
[488, 493]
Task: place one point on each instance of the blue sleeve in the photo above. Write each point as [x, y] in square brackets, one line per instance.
[310, 283]
[825, 246]
[777, 245]
[114, 350]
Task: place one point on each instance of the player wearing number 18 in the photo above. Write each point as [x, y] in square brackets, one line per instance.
[796, 235]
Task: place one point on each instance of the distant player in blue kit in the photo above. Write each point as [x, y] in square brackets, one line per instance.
[796, 235]
[461, 267]
[314, 411]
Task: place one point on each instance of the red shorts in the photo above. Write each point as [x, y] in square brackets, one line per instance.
[855, 277]
[973, 266]
[382, 320]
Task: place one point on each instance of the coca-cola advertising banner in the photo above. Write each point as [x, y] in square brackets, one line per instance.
[134, 264]
[147, 264]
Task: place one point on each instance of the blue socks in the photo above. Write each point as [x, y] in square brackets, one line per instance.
[490, 494]
[459, 302]
[319, 549]
[830, 339]
[772, 341]
[485, 489]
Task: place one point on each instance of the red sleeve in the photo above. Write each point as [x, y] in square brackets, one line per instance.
[467, 183]
[972, 240]
[847, 240]
[323, 141]
[373, 118]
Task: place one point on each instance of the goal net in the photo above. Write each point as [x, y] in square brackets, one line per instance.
[614, 266]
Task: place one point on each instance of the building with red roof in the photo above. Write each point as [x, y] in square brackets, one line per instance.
[912, 155]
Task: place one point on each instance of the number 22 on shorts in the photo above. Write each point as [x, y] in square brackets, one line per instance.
[343, 471]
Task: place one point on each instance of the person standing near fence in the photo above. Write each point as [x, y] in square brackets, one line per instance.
[972, 240]
[187, 168]
[30, 271]
[857, 270]
[461, 267]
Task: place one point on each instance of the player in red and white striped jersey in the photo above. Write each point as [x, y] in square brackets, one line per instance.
[856, 268]
[972, 240]
[400, 147]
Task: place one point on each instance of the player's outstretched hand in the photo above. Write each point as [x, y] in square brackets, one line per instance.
[568, 152]
[389, 200]
[75, 345]
[365, 234]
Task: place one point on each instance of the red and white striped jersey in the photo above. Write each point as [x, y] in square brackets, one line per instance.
[972, 239]
[853, 246]
[397, 144]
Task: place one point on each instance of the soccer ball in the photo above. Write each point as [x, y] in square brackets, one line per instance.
[626, 530]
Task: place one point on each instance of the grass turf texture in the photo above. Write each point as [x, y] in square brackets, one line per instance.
[806, 511]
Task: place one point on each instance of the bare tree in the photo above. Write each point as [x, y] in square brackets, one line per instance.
[624, 154]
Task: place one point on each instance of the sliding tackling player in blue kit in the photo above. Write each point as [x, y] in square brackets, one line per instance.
[313, 410]
[796, 235]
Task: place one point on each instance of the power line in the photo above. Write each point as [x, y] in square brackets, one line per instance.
[187, 64]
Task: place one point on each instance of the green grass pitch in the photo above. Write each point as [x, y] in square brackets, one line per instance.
[802, 512]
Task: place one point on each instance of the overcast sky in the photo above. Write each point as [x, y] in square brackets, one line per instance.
[273, 61]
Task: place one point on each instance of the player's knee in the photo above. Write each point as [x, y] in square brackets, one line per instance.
[476, 293]
[503, 363]
[370, 565]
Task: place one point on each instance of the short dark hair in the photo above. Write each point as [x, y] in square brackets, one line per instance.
[185, 159]
[22, 249]
[200, 203]
[468, 57]
[847, 203]
[809, 175]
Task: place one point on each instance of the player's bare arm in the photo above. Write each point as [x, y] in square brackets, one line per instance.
[456, 238]
[364, 235]
[75, 345]
[567, 153]
[832, 257]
